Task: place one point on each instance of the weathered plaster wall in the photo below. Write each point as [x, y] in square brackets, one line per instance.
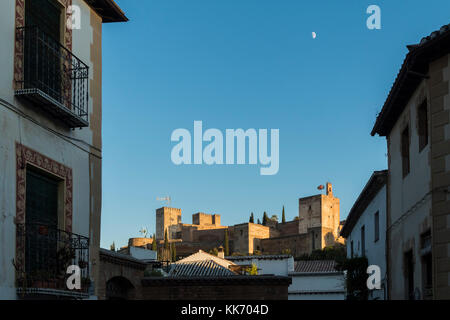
[404, 194]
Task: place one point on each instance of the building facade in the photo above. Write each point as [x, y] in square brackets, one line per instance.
[415, 121]
[51, 144]
[316, 280]
[365, 229]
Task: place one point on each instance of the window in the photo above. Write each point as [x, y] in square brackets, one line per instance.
[427, 265]
[422, 119]
[405, 151]
[377, 226]
[363, 241]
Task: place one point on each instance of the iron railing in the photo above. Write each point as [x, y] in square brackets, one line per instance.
[46, 253]
[51, 72]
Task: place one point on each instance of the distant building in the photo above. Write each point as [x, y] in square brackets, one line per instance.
[317, 227]
[416, 123]
[365, 228]
[317, 280]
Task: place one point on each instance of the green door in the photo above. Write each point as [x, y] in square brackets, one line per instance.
[41, 219]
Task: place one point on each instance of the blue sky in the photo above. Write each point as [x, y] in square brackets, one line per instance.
[247, 64]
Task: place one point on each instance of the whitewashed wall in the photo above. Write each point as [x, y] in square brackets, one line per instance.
[14, 128]
[317, 286]
[375, 251]
[279, 267]
[405, 193]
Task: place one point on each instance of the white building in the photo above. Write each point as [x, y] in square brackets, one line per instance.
[279, 265]
[50, 144]
[416, 123]
[365, 228]
[316, 280]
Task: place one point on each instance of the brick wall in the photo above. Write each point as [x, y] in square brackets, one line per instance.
[231, 288]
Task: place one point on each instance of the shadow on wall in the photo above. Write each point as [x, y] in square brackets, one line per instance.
[119, 288]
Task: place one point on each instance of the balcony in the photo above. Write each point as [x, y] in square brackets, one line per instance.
[43, 255]
[52, 77]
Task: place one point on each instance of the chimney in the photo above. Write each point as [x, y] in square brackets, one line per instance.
[221, 253]
[329, 189]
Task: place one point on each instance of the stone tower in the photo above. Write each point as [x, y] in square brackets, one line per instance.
[166, 217]
[319, 215]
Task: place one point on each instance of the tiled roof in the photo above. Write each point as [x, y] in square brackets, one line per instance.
[313, 266]
[259, 257]
[371, 189]
[202, 256]
[414, 69]
[204, 268]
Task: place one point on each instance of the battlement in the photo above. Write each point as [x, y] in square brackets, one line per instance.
[201, 218]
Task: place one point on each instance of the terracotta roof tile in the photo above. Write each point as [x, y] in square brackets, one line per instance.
[310, 266]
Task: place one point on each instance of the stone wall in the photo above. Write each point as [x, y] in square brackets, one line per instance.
[224, 288]
[297, 244]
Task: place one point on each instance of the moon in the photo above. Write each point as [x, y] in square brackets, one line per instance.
[314, 35]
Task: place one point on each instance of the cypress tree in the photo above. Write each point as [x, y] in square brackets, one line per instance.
[226, 247]
[173, 251]
[154, 247]
[166, 241]
[259, 221]
[283, 217]
[265, 218]
[252, 219]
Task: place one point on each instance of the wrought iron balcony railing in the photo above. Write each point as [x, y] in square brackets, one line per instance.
[44, 254]
[51, 76]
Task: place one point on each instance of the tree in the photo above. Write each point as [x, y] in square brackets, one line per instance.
[173, 251]
[259, 221]
[252, 219]
[283, 217]
[154, 246]
[166, 240]
[113, 247]
[226, 245]
[253, 271]
[265, 218]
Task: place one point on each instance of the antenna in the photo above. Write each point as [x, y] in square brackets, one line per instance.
[165, 199]
[144, 232]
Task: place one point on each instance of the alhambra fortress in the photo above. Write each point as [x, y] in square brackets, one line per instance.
[317, 226]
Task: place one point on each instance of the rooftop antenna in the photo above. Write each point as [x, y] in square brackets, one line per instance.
[164, 199]
[144, 232]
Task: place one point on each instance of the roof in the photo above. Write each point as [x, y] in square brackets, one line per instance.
[260, 257]
[205, 268]
[122, 259]
[413, 71]
[373, 186]
[202, 256]
[315, 266]
[202, 264]
[108, 10]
